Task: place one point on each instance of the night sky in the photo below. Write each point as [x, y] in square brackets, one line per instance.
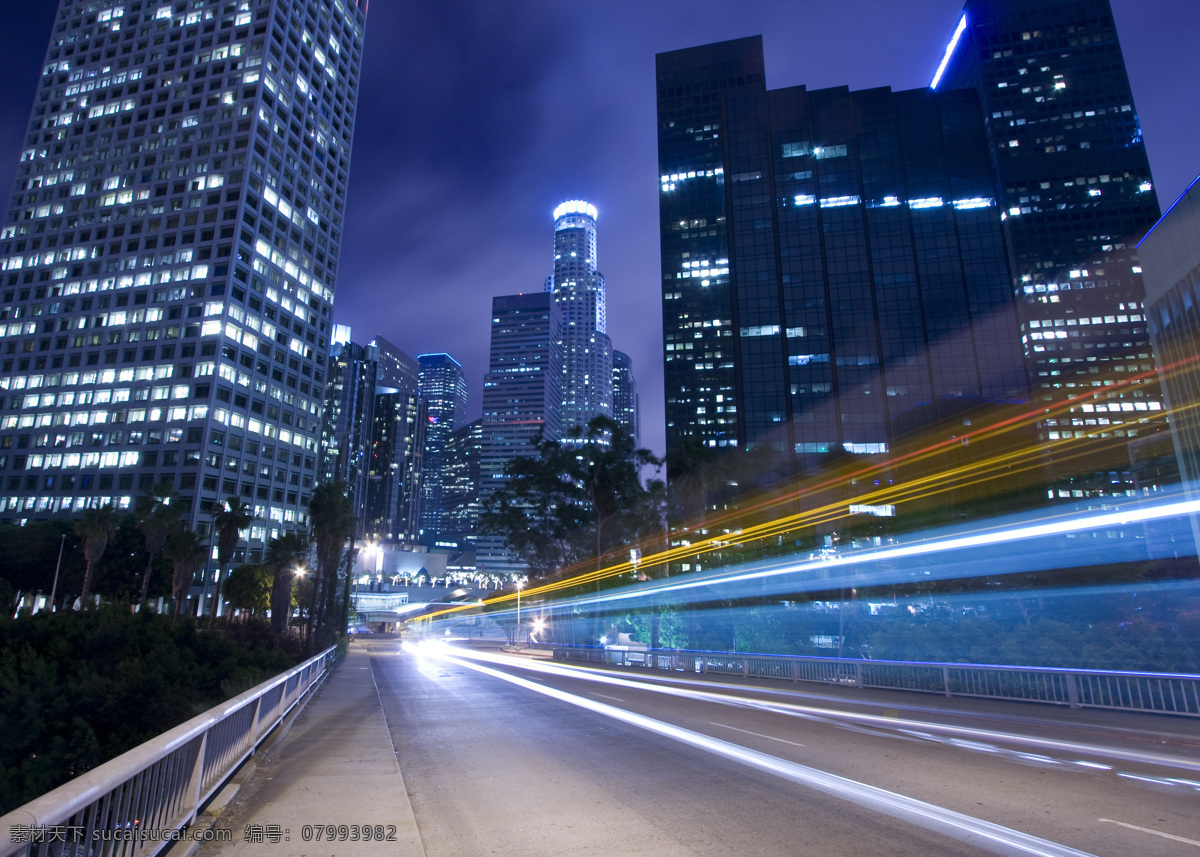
[476, 118]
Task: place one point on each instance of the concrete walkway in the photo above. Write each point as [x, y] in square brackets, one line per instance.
[335, 766]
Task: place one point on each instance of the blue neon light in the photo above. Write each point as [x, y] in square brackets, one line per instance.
[958, 31]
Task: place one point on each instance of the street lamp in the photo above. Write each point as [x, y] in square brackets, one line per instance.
[518, 635]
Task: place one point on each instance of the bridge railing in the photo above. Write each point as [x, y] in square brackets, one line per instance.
[129, 806]
[1158, 693]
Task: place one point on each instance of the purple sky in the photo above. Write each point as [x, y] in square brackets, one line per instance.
[477, 118]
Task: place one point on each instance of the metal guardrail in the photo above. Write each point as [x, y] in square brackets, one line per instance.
[133, 805]
[1156, 693]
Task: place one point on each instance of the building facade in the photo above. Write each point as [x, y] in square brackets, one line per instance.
[1076, 196]
[522, 397]
[625, 396]
[461, 476]
[443, 386]
[830, 259]
[396, 455]
[169, 254]
[579, 291]
[349, 419]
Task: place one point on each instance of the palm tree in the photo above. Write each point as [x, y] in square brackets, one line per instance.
[333, 522]
[284, 556]
[95, 528]
[233, 517]
[156, 514]
[185, 551]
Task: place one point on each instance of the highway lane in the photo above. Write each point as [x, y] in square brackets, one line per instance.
[607, 761]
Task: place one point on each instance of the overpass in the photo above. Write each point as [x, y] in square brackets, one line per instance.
[446, 749]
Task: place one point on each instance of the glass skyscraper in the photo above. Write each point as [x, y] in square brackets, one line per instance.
[444, 389]
[830, 259]
[579, 292]
[625, 396]
[522, 397]
[1076, 196]
[169, 254]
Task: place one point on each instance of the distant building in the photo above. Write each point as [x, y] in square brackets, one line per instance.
[397, 452]
[373, 437]
[1076, 196]
[348, 421]
[460, 484]
[830, 259]
[625, 397]
[579, 292]
[444, 389]
[522, 397]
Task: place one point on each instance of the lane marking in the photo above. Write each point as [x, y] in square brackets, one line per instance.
[1182, 839]
[603, 696]
[956, 825]
[756, 734]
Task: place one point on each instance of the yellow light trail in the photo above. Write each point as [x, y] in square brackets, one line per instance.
[983, 471]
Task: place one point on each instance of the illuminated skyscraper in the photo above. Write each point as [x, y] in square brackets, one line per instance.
[522, 396]
[444, 389]
[1076, 197]
[578, 290]
[830, 259]
[625, 397]
[169, 254]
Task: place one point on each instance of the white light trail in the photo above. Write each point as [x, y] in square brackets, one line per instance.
[964, 828]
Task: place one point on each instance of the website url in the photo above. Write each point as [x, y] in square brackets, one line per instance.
[37, 834]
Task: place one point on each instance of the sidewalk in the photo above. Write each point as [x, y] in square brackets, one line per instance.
[335, 766]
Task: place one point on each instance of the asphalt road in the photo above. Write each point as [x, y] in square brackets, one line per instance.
[504, 755]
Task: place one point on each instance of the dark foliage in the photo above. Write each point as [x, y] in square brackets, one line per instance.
[77, 689]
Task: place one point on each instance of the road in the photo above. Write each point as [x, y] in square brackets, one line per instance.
[507, 755]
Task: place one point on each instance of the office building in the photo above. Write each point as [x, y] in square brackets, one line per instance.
[830, 259]
[1076, 195]
[522, 397]
[578, 290]
[625, 397]
[169, 255]
[395, 460]
[460, 485]
[349, 419]
[443, 386]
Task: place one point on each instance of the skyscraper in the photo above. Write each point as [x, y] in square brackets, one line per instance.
[460, 484]
[522, 396]
[444, 389]
[169, 255]
[349, 419]
[1076, 196]
[397, 451]
[625, 397]
[578, 289]
[830, 259]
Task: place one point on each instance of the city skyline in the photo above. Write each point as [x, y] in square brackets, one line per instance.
[423, 179]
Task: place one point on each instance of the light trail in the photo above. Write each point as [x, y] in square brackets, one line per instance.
[987, 548]
[964, 828]
[730, 695]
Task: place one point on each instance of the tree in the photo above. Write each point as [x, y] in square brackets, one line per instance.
[185, 551]
[156, 515]
[249, 588]
[332, 521]
[285, 555]
[95, 528]
[229, 521]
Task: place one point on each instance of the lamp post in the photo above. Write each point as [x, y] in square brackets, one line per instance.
[518, 634]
